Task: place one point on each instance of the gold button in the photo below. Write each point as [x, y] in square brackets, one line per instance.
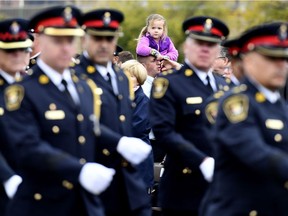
[81, 140]
[99, 91]
[80, 117]
[133, 104]
[278, 137]
[1, 111]
[82, 161]
[67, 184]
[55, 129]
[124, 163]
[37, 196]
[226, 88]
[286, 185]
[33, 61]
[106, 152]
[52, 106]
[186, 171]
[122, 118]
[120, 97]
[197, 112]
[253, 213]
[188, 72]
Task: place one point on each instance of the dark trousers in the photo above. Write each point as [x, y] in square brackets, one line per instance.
[169, 212]
[158, 152]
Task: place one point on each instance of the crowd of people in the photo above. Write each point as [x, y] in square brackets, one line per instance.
[91, 125]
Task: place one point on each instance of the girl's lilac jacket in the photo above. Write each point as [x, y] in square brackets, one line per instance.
[165, 47]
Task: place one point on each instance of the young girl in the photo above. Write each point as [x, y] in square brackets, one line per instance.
[153, 39]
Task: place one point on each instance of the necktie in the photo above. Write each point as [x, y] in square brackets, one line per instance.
[209, 84]
[109, 79]
[66, 91]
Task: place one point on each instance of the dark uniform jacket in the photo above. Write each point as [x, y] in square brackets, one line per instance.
[54, 139]
[251, 154]
[127, 188]
[176, 110]
[5, 169]
[141, 128]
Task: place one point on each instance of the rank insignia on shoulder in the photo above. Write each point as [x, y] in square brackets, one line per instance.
[236, 108]
[188, 72]
[211, 111]
[90, 69]
[43, 79]
[160, 86]
[13, 97]
[259, 97]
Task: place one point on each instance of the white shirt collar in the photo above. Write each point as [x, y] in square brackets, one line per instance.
[150, 79]
[10, 79]
[103, 70]
[202, 75]
[55, 76]
[234, 79]
[270, 95]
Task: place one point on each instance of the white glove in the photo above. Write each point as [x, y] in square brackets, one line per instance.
[207, 168]
[11, 185]
[133, 149]
[95, 178]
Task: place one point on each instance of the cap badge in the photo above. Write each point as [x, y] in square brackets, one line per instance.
[14, 28]
[67, 14]
[106, 18]
[208, 25]
[282, 35]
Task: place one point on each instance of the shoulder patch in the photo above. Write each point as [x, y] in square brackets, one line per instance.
[211, 111]
[160, 86]
[236, 108]
[13, 97]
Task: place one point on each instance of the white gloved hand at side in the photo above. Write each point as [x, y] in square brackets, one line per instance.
[11, 185]
[133, 149]
[207, 168]
[95, 178]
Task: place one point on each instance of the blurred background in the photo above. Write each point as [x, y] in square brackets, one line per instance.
[237, 14]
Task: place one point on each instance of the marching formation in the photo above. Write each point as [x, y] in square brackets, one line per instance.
[81, 131]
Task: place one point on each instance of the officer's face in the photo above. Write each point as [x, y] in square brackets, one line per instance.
[57, 51]
[201, 54]
[269, 72]
[100, 48]
[152, 66]
[13, 60]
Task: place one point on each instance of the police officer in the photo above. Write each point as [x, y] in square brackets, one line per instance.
[251, 145]
[211, 104]
[14, 43]
[127, 194]
[176, 117]
[50, 111]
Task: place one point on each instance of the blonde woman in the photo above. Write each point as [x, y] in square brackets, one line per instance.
[140, 120]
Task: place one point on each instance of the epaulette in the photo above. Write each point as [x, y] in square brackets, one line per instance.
[74, 61]
[240, 88]
[170, 71]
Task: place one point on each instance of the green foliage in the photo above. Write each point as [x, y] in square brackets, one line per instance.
[237, 14]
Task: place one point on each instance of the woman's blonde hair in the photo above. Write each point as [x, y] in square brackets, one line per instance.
[149, 20]
[135, 68]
